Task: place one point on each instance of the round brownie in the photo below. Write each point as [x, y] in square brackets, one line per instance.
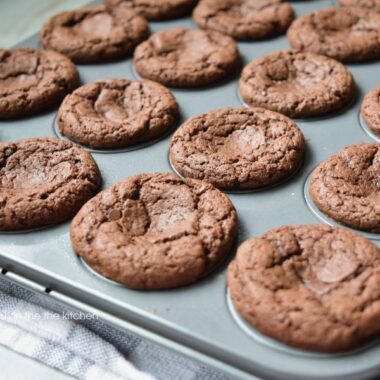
[297, 84]
[346, 187]
[117, 112]
[94, 34]
[186, 57]
[32, 81]
[310, 286]
[43, 181]
[370, 110]
[238, 148]
[346, 34]
[244, 19]
[155, 231]
[155, 10]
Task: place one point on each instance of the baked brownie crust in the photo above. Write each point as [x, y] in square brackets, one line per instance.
[346, 34]
[43, 181]
[155, 10]
[238, 148]
[244, 19]
[370, 4]
[297, 84]
[186, 57]
[370, 110]
[32, 81]
[346, 187]
[311, 286]
[117, 112]
[94, 34]
[155, 231]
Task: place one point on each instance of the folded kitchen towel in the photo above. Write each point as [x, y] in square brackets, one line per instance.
[83, 346]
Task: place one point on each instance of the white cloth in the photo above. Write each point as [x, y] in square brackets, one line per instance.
[41, 328]
[58, 341]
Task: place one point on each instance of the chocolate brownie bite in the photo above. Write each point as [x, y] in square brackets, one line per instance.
[155, 10]
[310, 286]
[117, 113]
[370, 110]
[33, 81]
[186, 57]
[43, 181]
[155, 231]
[297, 84]
[94, 34]
[346, 187]
[244, 19]
[346, 34]
[369, 4]
[238, 148]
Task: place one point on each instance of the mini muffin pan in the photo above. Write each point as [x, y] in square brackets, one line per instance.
[200, 317]
[367, 129]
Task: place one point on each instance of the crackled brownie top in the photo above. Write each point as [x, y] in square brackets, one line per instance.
[370, 4]
[154, 231]
[94, 34]
[346, 34]
[310, 286]
[296, 83]
[43, 181]
[32, 80]
[186, 57]
[244, 19]
[347, 186]
[370, 110]
[155, 9]
[117, 112]
[235, 148]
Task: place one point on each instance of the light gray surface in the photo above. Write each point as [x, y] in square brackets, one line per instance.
[198, 315]
[20, 19]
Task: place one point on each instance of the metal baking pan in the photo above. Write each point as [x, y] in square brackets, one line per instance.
[200, 318]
